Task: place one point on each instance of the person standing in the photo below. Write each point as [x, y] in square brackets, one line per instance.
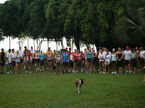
[76, 60]
[29, 62]
[113, 61]
[65, 60]
[18, 62]
[89, 60]
[21, 53]
[9, 62]
[133, 60]
[41, 61]
[119, 56]
[2, 60]
[127, 54]
[13, 60]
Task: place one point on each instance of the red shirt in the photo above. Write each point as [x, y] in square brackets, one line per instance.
[29, 56]
[76, 56]
[69, 53]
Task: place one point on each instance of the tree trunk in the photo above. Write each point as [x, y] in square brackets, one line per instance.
[77, 43]
[62, 43]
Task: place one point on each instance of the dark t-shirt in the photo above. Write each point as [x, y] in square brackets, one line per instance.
[2, 56]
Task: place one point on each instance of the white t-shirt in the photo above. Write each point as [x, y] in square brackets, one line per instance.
[21, 53]
[141, 53]
[107, 58]
[71, 57]
[101, 57]
[9, 56]
[127, 55]
[33, 52]
[13, 56]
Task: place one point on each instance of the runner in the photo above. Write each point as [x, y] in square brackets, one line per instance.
[65, 60]
[2, 60]
[101, 58]
[133, 61]
[13, 60]
[127, 55]
[41, 61]
[89, 60]
[29, 62]
[49, 58]
[18, 62]
[107, 62]
[113, 61]
[76, 60]
[21, 53]
[37, 60]
[58, 61]
[119, 56]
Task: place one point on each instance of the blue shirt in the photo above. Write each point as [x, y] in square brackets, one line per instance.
[41, 56]
[89, 54]
[65, 57]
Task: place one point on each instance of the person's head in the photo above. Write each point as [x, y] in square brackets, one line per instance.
[25, 47]
[41, 52]
[78, 51]
[113, 50]
[70, 49]
[89, 49]
[17, 52]
[29, 51]
[2, 50]
[127, 48]
[119, 49]
[65, 51]
[9, 50]
[75, 50]
[31, 48]
[141, 48]
[58, 52]
[66, 48]
[49, 49]
[133, 50]
[13, 50]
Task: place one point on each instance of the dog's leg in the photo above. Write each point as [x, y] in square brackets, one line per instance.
[78, 88]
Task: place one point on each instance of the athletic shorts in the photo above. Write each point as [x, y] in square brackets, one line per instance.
[89, 60]
[37, 60]
[33, 61]
[42, 63]
[119, 63]
[71, 64]
[17, 62]
[49, 61]
[101, 62]
[65, 64]
[28, 61]
[95, 60]
[133, 62]
[76, 61]
[58, 63]
[21, 61]
[127, 62]
[13, 63]
[107, 62]
[113, 62]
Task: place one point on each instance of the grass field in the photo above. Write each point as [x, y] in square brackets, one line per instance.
[46, 90]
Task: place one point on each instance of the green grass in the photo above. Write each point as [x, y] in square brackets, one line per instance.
[46, 90]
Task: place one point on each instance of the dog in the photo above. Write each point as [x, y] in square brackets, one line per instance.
[79, 83]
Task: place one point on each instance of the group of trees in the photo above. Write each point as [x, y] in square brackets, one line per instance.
[109, 23]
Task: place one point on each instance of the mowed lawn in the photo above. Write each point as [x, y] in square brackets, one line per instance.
[46, 90]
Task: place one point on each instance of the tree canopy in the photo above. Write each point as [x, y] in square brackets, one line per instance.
[109, 23]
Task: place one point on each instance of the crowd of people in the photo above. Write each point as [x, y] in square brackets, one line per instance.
[129, 60]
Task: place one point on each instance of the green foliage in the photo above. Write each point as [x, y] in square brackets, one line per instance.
[98, 22]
